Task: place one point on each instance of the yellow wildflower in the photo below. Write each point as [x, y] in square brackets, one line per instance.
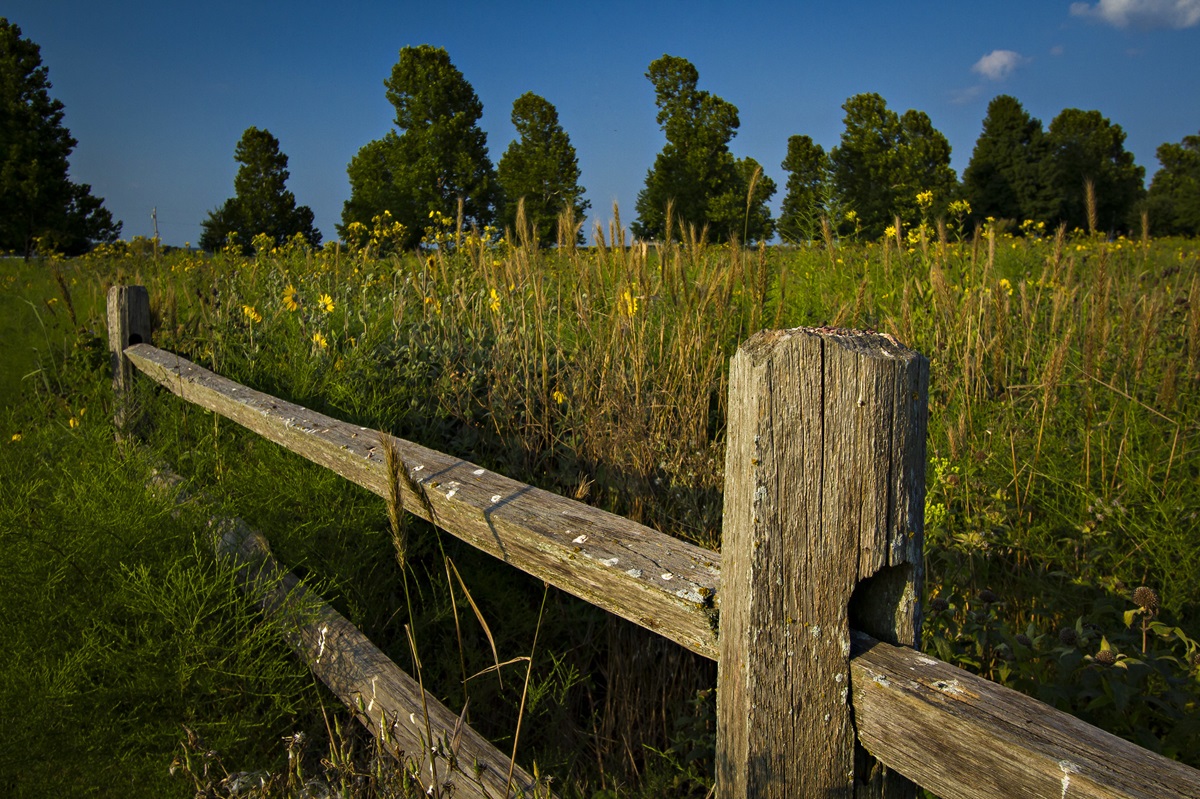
[74, 422]
[319, 339]
[494, 303]
[628, 303]
[558, 397]
[1005, 285]
[924, 199]
[16, 436]
[325, 303]
[291, 298]
[251, 313]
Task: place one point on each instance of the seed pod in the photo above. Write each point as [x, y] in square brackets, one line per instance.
[1145, 598]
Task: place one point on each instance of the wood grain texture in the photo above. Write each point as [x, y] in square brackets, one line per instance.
[410, 721]
[128, 323]
[822, 494]
[659, 582]
[962, 736]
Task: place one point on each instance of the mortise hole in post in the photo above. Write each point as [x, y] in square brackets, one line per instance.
[134, 338]
[882, 606]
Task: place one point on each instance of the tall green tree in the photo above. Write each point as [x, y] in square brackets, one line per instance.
[540, 168]
[261, 203]
[808, 185]
[924, 156]
[1007, 176]
[1174, 198]
[884, 160]
[438, 158]
[695, 173]
[37, 197]
[1086, 148]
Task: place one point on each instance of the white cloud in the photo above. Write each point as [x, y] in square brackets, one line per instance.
[999, 64]
[964, 96]
[1142, 13]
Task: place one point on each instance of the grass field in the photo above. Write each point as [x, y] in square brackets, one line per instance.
[1064, 474]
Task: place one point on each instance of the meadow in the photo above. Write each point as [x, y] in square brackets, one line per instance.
[1062, 524]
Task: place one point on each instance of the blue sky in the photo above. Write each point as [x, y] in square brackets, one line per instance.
[158, 94]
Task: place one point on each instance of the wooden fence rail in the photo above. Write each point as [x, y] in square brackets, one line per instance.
[432, 742]
[811, 610]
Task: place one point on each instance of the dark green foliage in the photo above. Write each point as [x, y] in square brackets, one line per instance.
[1174, 198]
[262, 204]
[884, 160]
[1007, 175]
[751, 205]
[808, 185]
[1086, 147]
[541, 168]
[437, 160]
[37, 198]
[695, 175]
[1103, 667]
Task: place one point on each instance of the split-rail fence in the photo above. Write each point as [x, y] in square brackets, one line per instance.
[811, 609]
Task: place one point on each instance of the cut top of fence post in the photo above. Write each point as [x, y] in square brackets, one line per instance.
[823, 527]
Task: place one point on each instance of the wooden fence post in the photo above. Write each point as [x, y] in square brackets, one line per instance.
[128, 324]
[823, 527]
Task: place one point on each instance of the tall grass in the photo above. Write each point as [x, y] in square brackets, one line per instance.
[1063, 436]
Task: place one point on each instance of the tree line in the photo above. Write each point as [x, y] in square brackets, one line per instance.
[434, 164]
[887, 166]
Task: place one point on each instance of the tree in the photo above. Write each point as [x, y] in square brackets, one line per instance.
[884, 160]
[808, 185]
[695, 174]
[751, 205]
[541, 168]
[924, 165]
[740, 212]
[1174, 199]
[262, 204]
[1085, 148]
[1006, 177]
[437, 160]
[37, 197]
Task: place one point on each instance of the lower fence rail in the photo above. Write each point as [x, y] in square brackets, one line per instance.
[442, 752]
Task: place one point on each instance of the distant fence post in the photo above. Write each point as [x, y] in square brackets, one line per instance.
[823, 528]
[128, 324]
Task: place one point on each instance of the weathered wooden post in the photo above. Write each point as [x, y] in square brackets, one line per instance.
[823, 527]
[128, 323]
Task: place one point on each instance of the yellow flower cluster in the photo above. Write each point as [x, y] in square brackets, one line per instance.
[251, 313]
[628, 303]
[959, 208]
